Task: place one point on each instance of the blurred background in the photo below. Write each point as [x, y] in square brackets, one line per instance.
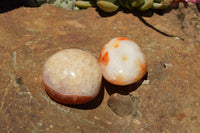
[6, 5]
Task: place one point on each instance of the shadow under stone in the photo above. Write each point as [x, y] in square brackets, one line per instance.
[123, 90]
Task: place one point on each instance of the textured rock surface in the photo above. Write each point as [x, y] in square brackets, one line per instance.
[120, 104]
[170, 103]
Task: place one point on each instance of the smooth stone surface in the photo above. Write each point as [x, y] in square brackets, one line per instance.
[72, 76]
[122, 61]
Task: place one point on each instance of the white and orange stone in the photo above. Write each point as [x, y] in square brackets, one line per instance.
[122, 61]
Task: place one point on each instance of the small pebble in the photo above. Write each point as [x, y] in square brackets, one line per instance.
[146, 82]
[166, 65]
[120, 104]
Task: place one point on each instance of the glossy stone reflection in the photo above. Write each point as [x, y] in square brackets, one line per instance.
[72, 76]
[122, 61]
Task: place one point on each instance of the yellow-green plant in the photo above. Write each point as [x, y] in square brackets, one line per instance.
[113, 5]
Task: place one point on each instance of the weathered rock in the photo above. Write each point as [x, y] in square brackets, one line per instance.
[120, 104]
[28, 36]
[123, 105]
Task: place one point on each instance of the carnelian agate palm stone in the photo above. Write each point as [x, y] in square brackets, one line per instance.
[122, 61]
[72, 76]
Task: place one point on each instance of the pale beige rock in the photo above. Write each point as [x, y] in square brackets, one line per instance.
[73, 72]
